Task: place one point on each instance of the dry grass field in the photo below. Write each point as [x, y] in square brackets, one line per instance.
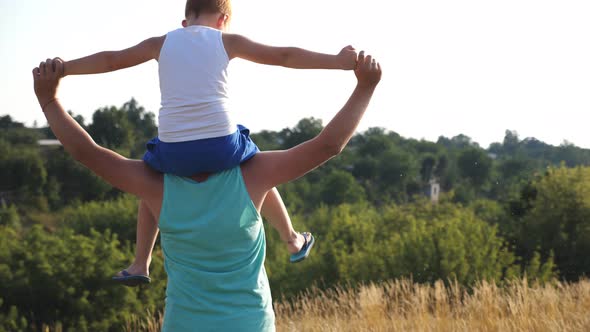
[405, 306]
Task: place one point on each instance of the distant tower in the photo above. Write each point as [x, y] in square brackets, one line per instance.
[433, 190]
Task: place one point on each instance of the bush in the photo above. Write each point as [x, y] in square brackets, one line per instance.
[63, 278]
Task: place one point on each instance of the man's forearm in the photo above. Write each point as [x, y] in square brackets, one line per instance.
[340, 129]
[74, 138]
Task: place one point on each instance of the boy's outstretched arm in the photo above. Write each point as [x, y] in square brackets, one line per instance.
[108, 61]
[238, 46]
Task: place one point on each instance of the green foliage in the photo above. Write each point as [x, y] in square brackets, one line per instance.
[542, 153]
[266, 140]
[538, 271]
[9, 216]
[69, 181]
[497, 218]
[22, 174]
[340, 187]
[118, 216]
[306, 129]
[64, 278]
[359, 243]
[20, 136]
[6, 122]
[475, 166]
[124, 129]
[558, 221]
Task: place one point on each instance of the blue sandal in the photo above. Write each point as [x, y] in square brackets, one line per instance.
[132, 280]
[304, 252]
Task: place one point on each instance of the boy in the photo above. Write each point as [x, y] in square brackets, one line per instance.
[196, 133]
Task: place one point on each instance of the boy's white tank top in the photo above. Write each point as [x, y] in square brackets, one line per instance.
[193, 84]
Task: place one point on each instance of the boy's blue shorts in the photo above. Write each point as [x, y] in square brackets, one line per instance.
[208, 155]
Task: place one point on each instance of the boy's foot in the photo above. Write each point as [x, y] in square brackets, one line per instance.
[305, 249]
[295, 244]
[131, 280]
[133, 276]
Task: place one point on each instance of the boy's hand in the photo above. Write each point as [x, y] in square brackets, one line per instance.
[367, 71]
[46, 80]
[347, 58]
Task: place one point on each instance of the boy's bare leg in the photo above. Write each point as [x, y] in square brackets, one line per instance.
[147, 232]
[274, 210]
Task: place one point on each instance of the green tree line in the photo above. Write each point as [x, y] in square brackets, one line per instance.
[519, 208]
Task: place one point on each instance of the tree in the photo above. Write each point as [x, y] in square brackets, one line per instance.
[20, 136]
[558, 220]
[305, 129]
[63, 278]
[420, 240]
[516, 168]
[6, 122]
[374, 142]
[9, 215]
[125, 129]
[475, 165]
[571, 155]
[427, 168]
[117, 216]
[69, 181]
[111, 128]
[511, 142]
[267, 140]
[143, 125]
[341, 187]
[22, 173]
[457, 142]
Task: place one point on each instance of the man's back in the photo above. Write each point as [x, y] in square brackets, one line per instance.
[214, 250]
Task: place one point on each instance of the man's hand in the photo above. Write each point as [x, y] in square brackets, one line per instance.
[367, 71]
[46, 80]
[347, 58]
[63, 63]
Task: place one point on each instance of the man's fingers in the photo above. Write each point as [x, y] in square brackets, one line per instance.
[59, 68]
[368, 61]
[60, 72]
[361, 57]
[35, 73]
[50, 68]
[42, 69]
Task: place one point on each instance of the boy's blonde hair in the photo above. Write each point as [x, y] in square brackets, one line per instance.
[196, 7]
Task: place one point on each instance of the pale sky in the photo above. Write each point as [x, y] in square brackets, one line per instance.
[449, 67]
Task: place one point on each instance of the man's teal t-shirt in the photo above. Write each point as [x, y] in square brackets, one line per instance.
[214, 249]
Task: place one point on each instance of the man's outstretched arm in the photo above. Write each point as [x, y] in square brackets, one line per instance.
[131, 176]
[269, 169]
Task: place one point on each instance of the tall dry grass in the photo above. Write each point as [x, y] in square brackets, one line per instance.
[405, 306]
[149, 323]
[402, 305]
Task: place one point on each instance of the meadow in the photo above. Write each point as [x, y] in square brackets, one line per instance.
[517, 210]
[402, 305]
